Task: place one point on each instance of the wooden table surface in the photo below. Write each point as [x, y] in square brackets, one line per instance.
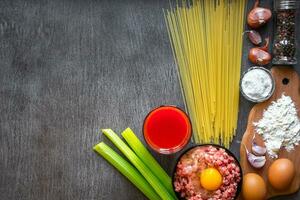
[70, 68]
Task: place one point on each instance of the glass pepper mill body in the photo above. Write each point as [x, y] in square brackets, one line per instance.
[284, 46]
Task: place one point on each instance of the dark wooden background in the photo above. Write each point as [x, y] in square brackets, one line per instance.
[68, 69]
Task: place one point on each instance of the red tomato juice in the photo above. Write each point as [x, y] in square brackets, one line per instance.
[167, 129]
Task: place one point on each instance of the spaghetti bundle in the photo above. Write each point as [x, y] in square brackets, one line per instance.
[206, 39]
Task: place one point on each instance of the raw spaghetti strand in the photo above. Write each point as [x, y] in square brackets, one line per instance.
[206, 40]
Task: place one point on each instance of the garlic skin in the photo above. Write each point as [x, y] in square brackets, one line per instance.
[254, 37]
[260, 55]
[258, 16]
[255, 161]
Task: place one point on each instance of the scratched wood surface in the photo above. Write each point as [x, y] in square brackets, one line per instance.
[291, 89]
[70, 68]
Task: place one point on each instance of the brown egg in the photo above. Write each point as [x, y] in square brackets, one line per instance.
[281, 173]
[254, 187]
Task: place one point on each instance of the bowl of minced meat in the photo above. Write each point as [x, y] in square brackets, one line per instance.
[207, 172]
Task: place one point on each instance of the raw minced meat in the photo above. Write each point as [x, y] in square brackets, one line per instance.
[189, 167]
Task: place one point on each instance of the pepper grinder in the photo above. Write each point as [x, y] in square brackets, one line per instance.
[284, 45]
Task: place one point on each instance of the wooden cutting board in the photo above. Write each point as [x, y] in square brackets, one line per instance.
[286, 81]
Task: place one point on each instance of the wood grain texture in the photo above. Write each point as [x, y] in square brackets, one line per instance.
[70, 68]
[291, 89]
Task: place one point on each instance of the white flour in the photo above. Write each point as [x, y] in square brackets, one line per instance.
[280, 126]
[257, 84]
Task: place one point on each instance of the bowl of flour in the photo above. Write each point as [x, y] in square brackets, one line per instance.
[257, 84]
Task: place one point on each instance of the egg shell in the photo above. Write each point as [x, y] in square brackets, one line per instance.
[254, 187]
[281, 173]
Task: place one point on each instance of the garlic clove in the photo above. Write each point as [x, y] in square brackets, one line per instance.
[257, 149]
[255, 161]
[254, 37]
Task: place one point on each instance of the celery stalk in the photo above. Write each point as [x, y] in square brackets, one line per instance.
[143, 169]
[126, 169]
[141, 151]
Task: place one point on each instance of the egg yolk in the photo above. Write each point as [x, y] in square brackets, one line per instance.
[211, 179]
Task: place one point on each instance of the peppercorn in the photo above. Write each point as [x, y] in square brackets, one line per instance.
[284, 48]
